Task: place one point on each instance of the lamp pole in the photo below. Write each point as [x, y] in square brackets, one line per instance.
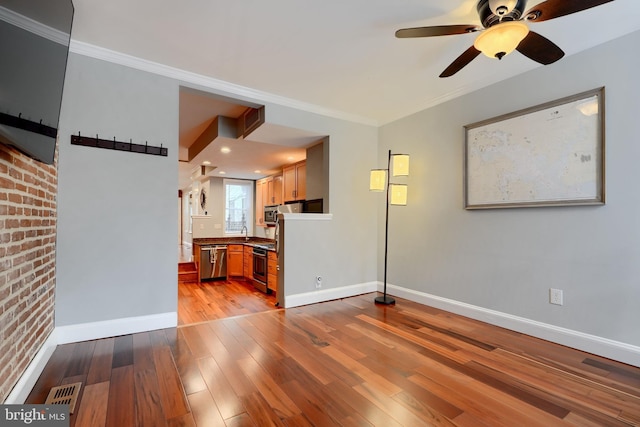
[384, 299]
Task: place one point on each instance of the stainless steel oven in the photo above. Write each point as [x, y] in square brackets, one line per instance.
[260, 269]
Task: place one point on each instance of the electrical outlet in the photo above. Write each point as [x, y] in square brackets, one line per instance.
[555, 296]
[318, 282]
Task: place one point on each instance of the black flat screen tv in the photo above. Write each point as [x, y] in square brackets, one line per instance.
[34, 46]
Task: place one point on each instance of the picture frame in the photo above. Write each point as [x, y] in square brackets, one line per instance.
[551, 154]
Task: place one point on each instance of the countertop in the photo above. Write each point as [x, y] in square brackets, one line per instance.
[233, 241]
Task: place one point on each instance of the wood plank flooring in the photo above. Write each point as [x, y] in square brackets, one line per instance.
[341, 363]
[218, 299]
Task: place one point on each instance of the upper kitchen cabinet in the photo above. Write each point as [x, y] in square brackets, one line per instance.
[274, 189]
[268, 192]
[261, 195]
[294, 182]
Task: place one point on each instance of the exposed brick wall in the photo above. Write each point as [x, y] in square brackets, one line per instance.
[27, 261]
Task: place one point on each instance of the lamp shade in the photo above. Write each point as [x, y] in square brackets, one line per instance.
[398, 194]
[501, 39]
[377, 179]
[400, 165]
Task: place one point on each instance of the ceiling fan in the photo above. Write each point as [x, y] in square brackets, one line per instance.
[504, 30]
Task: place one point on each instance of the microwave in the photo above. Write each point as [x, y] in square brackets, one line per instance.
[271, 211]
[271, 214]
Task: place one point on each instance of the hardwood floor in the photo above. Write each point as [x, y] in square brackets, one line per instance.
[217, 299]
[341, 363]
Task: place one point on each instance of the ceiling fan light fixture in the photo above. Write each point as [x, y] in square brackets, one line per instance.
[501, 39]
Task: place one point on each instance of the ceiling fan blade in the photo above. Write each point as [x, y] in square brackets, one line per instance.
[540, 49]
[551, 9]
[439, 30]
[460, 62]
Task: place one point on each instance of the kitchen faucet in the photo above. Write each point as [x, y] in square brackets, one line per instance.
[246, 233]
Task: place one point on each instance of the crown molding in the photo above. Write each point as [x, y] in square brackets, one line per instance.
[96, 52]
[34, 27]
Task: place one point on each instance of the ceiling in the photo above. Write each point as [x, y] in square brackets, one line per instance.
[259, 154]
[337, 57]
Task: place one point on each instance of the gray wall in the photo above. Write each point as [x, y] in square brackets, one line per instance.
[116, 235]
[341, 250]
[116, 211]
[507, 259]
[117, 254]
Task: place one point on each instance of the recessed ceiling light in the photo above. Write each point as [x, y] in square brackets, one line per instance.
[206, 163]
[290, 158]
[225, 150]
[222, 172]
[257, 171]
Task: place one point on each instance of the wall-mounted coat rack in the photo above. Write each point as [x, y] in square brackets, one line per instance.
[89, 141]
[28, 125]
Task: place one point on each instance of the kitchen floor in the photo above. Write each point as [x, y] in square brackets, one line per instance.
[218, 299]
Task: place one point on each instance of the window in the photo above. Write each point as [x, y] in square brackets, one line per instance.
[238, 206]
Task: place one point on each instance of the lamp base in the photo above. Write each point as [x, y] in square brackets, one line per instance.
[386, 300]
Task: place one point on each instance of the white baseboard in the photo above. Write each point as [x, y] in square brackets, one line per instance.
[28, 379]
[622, 352]
[115, 327]
[84, 332]
[323, 295]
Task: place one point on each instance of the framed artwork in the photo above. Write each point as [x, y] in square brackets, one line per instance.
[548, 155]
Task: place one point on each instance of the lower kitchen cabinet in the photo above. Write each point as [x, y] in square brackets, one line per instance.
[272, 271]
[235, 260]
[248, 262]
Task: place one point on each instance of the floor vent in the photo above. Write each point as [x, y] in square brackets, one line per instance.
[64, 395]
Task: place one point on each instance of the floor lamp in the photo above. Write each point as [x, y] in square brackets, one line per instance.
[397, 165]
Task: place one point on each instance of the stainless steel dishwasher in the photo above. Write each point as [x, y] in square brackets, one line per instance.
[213, 262]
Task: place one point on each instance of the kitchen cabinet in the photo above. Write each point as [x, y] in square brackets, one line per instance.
[195, 252]
[274, 190]
[268, 192]
[248, 262]
[235, 260]
[261, 194]
[272, 271]
[294, 182]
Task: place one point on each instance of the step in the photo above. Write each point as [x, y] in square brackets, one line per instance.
[184, 267]
[188, 277]
[187, 272]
